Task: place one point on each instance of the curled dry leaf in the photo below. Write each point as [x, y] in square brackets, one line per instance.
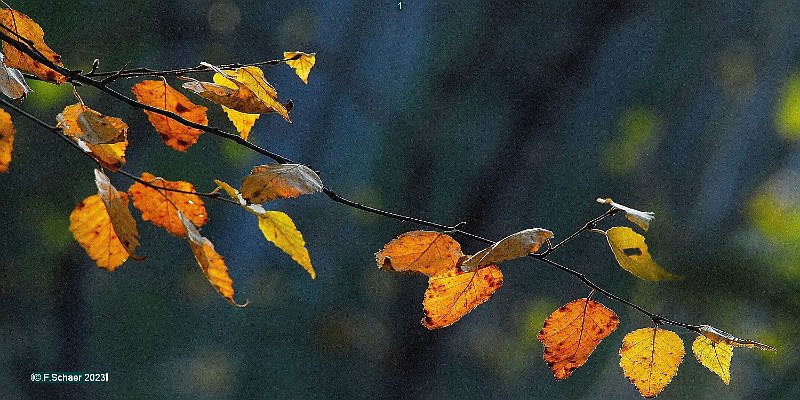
[571, 333]
[720, 336]
[160, 95]
[452, 295]
[632, 255]
[120, 215]
[514, 246]
[279, 181]
[26, 28]
[6, 139]
[650, 358]
[301, 63]
[160, 206]
[111, 156]
[99, 129]
[279, 229]
[12, 82]
[212, 264]
[714, 356]
[91, 226]
[641, 218]
[425, 252]
[231, 191]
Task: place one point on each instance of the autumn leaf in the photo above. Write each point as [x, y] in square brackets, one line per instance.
[279, 181]
[631, 253]
[120, 215]
[160, 95]
[111, 156]
[231, 191]
[22, 25]
[650, 358]
[452, 295]
[514, 246]
[212, 264]
[12, 82]
[641, 218]
[720, 336]
[714, 356]
[253, 79]
[571, 333]
[6, 139]
[425, 252]
[301, 62]
[160, 206]
[100, 129]
[279, 229]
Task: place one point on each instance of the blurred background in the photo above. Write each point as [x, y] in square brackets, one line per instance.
[504, 115]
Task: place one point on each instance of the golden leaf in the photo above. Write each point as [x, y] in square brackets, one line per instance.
[279, 229]
[571, 333]
[279, 181]
[91, 226]
[160, 206]
[514, 246]
[714, 356]
[454, 294]
[425, 252]
[650, 358]
[6, 139]
[120, 215]
[26, 28]
[301, 63]
[632, 255]
[111, 156]
[160, 95]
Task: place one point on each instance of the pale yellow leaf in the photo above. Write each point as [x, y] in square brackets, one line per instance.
[279, 229]
[714, 356]
[301, 63]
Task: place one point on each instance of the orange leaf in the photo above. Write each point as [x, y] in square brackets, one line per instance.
[425, 252]
[451, 296]
[160, 206]
[513, 246]
[118, 211]
[91, 226]
[6, 139]
[212, 264]
[302, 64]
[25, 27]
[650, 358]
[175, 134]
[111, 156]
[571, 333]
[279, 181]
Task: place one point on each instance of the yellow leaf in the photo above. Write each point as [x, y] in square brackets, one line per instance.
[714, 356]
[212, 264]
[26, 28]
[91, 226]
[641, 218]
[6, 139]
[720, 336]
[242, 121]
[452, 295]
[425, 252]
[302, 64]
[279, 181]
[279, 229]
[650, 358]
[12, 82]
[631, 253]
[514, 246]
[120, 215]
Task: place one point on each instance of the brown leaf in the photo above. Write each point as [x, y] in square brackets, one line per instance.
[514, 246]
[279, 181]
[120, 215]
[12, 82]
[175, 134]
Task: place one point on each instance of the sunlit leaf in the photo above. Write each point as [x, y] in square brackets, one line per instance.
[714, 356]
[720, 336]
[641, 218]
[91, 226]
[100, 129]
[111, 156]
[279, 181]
[650, 358]
[231, 191]
[120, 215]
[514, 246]
[631, 253]
[160, 206]
[279, 229]
[12, 82]
[212, 264]
[175, 134]
[452, 295]
[26, 28]
[301, 62]
[6, 139]
[253, 79]
[571, 333]
[425, 252]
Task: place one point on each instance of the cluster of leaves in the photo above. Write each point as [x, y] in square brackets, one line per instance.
[458, 283]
